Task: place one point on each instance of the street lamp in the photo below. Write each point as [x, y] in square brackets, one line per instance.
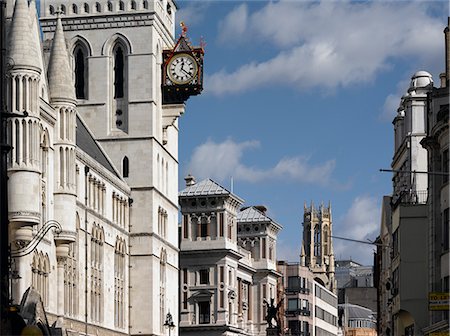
[168, 323]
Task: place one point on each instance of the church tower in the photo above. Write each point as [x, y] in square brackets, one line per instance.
[317, 247]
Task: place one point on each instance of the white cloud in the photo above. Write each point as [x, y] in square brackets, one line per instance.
[192, 12]
[234, 24]
[325, 44]
[223, 160]
[361, 222]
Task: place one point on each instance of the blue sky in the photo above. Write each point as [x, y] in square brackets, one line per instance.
[298, 102]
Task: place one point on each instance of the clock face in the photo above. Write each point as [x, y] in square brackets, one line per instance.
[182, 68]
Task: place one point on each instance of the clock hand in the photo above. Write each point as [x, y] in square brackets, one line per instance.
[187, 73]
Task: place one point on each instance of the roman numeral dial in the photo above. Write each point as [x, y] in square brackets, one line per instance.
[182, 69]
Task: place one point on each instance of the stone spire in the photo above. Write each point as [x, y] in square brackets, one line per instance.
[22, 49]
[302, 255]
[59, 74]
[35, 31]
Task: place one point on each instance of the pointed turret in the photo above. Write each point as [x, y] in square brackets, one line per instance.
[302, 256]
[35, 32]
[22, 49]
[59, 74]
[331, 266]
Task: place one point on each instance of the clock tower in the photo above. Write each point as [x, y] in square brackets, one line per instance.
[120, 51]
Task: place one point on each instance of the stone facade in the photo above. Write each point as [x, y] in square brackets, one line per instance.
[227, 262]
[98, 156]
[413, 241]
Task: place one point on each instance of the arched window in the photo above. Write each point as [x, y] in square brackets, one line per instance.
[145, 4]
[119, 283]
[121, 6]
[74, 9]
[80, 56]
[133, 5]
[162, 288]
[98, 7]
[317, 241]
[40, 268]
[118, 72]
[325, 240]
[51, 9]
[119, 103]
[169, 9]
[86, 8]
[97, 240]
[71, 277]
[63, 9]
[110, 6]
[125, 167]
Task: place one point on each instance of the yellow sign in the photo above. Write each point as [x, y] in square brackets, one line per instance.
[438, 301]
[439, 333]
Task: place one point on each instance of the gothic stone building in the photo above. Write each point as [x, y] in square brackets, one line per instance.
[96, 154]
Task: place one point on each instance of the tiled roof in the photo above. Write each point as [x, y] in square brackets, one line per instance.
[88, 144]
[252, 215]
[204, 188]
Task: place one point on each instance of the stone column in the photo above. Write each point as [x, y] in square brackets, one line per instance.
[62, 252]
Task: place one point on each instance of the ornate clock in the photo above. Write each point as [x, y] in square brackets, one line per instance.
[182, 71]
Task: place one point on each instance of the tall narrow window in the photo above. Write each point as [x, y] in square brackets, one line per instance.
[125, 167]
[204, 312]
[80, 72]
[445, 163]
[74, 9]
[118, 72]
[110, 6]
[97, 240]
[40, 268]
[162, 288]
[325, 240]
[119, 283]
[317, 241]
[121, 6]
[70, 281]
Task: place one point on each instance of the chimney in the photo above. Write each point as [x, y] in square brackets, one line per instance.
[190, 180]
[261, 208]
[443, 78]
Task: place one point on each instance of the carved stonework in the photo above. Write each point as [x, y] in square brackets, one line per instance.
[61, 260]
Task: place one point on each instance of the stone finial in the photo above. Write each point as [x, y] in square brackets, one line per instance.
[59, 73]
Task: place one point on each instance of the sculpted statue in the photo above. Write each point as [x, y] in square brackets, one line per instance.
[272, 313]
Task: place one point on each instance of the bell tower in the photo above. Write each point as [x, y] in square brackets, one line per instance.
[317, 247]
